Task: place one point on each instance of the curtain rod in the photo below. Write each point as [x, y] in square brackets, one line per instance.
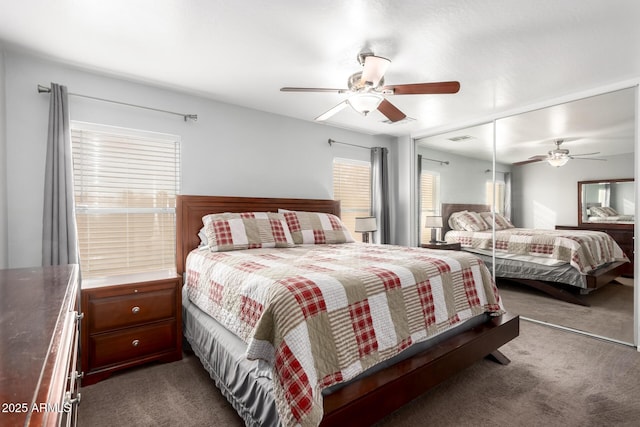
[333, 141]
[442, 162]
[194, 117]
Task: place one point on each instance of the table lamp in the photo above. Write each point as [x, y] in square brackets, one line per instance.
[365, 225]
[433, 222]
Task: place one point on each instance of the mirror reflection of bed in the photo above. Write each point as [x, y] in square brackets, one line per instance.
[607, 201]
[545, 197]
[549, 288]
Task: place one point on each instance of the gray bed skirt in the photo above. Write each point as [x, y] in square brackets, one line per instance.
[247, 383]
[515, 269]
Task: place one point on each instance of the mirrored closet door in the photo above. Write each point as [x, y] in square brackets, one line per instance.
[541, 157]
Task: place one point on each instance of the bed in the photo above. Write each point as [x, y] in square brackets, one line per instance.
[375, 390]
[575, 270]
[603, 214]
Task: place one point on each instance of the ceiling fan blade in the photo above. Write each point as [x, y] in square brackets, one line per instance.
[312, 89]
[424, 88]
[391, 111]
[374, 69]
[324, 116]
[587, 158]
[585, 154]
[532, 159]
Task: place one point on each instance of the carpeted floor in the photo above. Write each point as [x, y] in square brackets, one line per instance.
[610, 313]
[555, 378]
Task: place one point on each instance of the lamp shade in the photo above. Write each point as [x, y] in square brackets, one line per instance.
[374, 69]
[365, 224]
[433, 222]
[364, 103]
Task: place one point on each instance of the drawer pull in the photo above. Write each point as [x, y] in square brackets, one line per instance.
[135, 310]
[135, 343]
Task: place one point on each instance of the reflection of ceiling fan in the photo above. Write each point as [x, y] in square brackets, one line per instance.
[559, 156]
[367, 90]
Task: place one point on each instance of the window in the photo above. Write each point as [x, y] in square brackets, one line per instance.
[499, 195]
[126, 183]
[429, 200]
[352, 186]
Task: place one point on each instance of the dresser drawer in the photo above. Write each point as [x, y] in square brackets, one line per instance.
[131, 309]
[112, 348]
[623, 237]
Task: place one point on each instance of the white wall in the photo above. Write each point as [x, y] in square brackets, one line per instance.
[464, 179]
[3, 168]
[545, 196]
[230, 150]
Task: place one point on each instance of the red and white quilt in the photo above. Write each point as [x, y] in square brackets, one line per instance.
[585, 250]
[323, 314]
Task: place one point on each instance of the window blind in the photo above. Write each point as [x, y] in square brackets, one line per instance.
[126, 183]
[429, 201]
[352, 187]
[500, 188]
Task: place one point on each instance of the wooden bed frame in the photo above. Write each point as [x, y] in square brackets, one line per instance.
[595, 279]
[368, 400]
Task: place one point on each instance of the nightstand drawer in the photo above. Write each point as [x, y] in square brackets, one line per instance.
[133, 343]
[131, 309]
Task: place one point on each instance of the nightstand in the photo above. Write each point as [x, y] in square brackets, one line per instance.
[129, 324]
[442, 245]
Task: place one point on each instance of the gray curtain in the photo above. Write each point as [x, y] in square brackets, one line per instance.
[380, 194]
[59, 232]
[419, 185]
[507, 194]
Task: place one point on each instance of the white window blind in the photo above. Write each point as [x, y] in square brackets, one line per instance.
[500, 188]
[352, 187]
[429, 201]
[126, 183]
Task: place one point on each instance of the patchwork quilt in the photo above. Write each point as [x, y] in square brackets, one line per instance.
[322, 314]
[585, 250]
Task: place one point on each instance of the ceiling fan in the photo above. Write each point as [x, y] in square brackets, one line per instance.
[367, 90]
[559, 156]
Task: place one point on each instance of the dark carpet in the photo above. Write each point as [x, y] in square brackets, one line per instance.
[555, 378]
[610, 311]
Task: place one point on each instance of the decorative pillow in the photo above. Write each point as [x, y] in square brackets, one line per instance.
[603, 211]
[315, 228]
[469, 221]
[203, 238]
[502, 222]
[247, 230]
[453, 221]
[610, 211]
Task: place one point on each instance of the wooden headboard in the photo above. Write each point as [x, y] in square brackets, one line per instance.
[449, 208]
[191, 209]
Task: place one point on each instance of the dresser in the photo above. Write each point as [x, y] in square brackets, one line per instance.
[129, 324]
[39, 337]
[624, 237]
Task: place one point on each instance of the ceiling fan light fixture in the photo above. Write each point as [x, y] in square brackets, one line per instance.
[558, 161]
[374, 69]
[364, 103]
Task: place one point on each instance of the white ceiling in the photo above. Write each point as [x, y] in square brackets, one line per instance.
[505, 53]
[603, 124]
